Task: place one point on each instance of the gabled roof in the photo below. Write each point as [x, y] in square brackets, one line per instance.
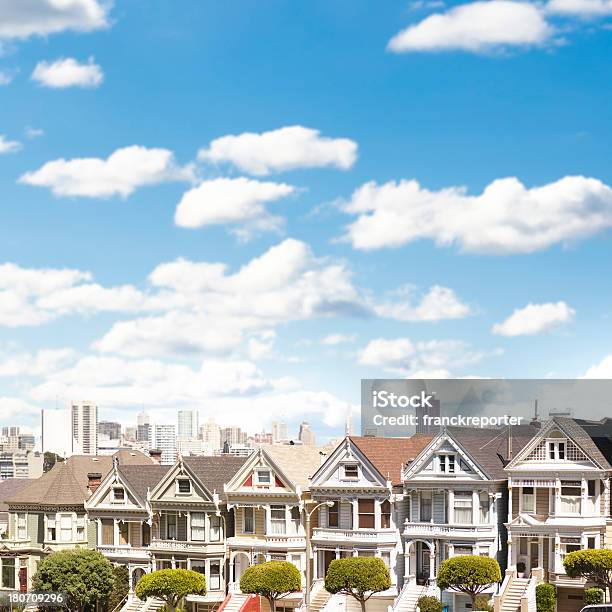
[66, 483]
[142, 478]
[298, 462]
[489, 447]
[388, 455]
[214, 472]
[594, 437]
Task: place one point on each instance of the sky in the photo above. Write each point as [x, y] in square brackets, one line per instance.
[245, 208]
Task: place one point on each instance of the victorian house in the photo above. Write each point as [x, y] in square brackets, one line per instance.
[361, 482]
[559, 502]
[49, 514]
[268, 496]
[454, 503]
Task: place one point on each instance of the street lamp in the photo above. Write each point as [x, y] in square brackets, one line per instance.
[329, 504]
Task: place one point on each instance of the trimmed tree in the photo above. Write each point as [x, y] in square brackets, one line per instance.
[469, 574]
[359, 577]
[546, 597]
[427, 603]
[171, 585]
[593, 596]
[272, 580]
[593, 564]
[84, 575]
[121, 587]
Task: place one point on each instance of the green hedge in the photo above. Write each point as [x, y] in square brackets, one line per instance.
[546, 595]
[430, 604]
[593, 596]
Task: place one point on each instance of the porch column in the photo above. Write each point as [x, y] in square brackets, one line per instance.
[511, 553]
[510, 515]
[558, 567]
[584, 493]
[432, 562]
[231, 568]
[315, 564]
[541, 552]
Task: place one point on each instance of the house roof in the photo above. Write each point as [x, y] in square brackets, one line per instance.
[298, 462]
[214, 472]
[489, 447]
[389, 455]
[9, 487]
[66, 483]
[141, 478]
[594, 437]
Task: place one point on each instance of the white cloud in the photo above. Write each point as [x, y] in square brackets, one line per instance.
[41, 363]
[422, 359]
[120, 174]
[335, 339]
[535, 319]
[437, 304]
[603, 369]
[8, 146]
[506, 218]
[279, 150]
[24, 18]
[68, 72]
[14, 409]
[237, 202]
[6, 78]
[476, 27]
[32, 132]
[580, 8]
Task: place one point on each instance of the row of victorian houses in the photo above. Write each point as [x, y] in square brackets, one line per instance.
[525, 496]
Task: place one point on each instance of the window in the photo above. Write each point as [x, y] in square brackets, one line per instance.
[66, 528]
[118, 494]
[463, 550]
[124, 533]
[569, 545]
[8, 572]
[385, 514]
[333, 514]
[263, 477]
[528, 500]
[277, 519]
[591, 488]
[484, 507]
[214, 578]
[183, 486]
[366, 513]
[198, 526]
[51, 530]
[249, 520]
[198, 565]
[295, 518]
[463, 507]
[146, 534]
[171, 526]
[447, 464]
[591, 542]
[215, 527]
[570, 496]
[556, 451]
[22, 526]
[386, 557]
[351, 472]
[297, 561]
[425, 507]
[80, 529]
[108, 532]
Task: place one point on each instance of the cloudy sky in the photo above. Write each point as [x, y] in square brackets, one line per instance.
[246, 207]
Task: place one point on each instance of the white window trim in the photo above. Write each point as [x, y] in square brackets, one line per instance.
[259, 470]
[183, 479]
[244, 530]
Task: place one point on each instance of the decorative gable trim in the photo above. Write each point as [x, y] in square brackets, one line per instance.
[244, 477]
[114, 477]
[180, 468]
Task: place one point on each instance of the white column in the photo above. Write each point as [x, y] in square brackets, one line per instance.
[268, 519]
[115, 532]
[451, 506]
[355, 503]
[188, 534]
[541, 552]
[510, 515]
[287, 520]
[315, 559]
[511, 553]
[598, 497]
[98, 530]
[377, 504]
[475, 507]
[557, 552]
[584, 495]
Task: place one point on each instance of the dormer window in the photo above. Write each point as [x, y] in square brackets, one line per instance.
[351, 471]
[118, 495]
[556, 451]
[263, 477]
[447, 464]
[183, 486]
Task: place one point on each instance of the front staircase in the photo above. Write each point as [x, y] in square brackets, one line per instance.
[408, 598]
[319, 599]
[151, 604]
[234, 602]
[511, 601]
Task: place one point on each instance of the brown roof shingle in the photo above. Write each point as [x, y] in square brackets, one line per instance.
[10, 487]
[142, 477]
[214, 472]
[388, 455]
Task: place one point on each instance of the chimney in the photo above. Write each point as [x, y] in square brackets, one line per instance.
[93, 481]
[155, 454]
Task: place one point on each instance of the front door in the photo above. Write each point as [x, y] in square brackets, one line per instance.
[23, 579]
[534, 555]
[423, 561]
[329, 556]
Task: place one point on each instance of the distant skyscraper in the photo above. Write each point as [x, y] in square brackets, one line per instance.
[210, 433]
[110, 429]
[9, 432]
[164, 439]
[233, 436]
[279, 431]
[56, 431]
[307, 436]
[187, 423]
[434, 411]
[84, 428]
[143, 428]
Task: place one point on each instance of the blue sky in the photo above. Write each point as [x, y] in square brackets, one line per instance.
[368, 276]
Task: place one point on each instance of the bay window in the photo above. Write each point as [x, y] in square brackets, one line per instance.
[108, 532]
[485, 506]
[463, 507]
[249, 520]
[198, 526]
[215, 528]
[571, 492]
[366, 513]
[425, 507]
[385, 514]
[528, 499]
[8, 572]
[214, 578]
[22, 526]
[66, 527]
[277, 519]
[333, 514]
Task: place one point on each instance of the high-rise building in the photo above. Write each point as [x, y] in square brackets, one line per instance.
[84, 428]
[144, 431]
[164, 439]
[233, 436]
[307, 436]
[56, 431]
[279, 431]
[187, 423]
[110, 429]
[10, 432]
[210, 433]
[21, 464]
[424, 427]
